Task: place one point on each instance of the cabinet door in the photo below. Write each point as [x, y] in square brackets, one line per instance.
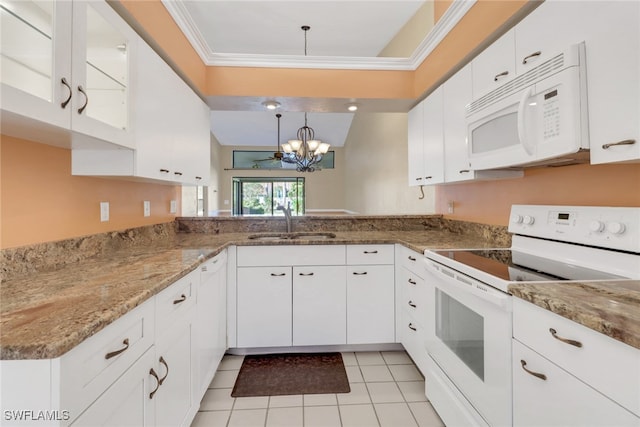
[264, 306]
[558, 399]
[457, 94]
[174, 400]
[35, 56]
[319, 305]
[415, 147]
[433, 139]
[104, 48]
[370, 304]
[495, 65]
[127, 401]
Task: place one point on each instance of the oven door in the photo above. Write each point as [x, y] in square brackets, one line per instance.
[469, 339]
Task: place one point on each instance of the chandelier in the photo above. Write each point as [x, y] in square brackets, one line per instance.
[306, 151]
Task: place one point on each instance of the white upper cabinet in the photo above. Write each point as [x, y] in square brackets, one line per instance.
[66, 65]
[433, 138]
[495, 65]
[415, 147]
[457, 94]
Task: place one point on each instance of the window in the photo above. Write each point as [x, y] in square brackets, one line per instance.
[261, 196]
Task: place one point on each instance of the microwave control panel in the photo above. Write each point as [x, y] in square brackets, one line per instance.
[551, 114]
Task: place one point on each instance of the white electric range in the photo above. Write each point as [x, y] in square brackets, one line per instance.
[469, 326]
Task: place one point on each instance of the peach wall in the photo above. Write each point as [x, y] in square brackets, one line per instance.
[42, 201]
[489, 202]
[439, 8]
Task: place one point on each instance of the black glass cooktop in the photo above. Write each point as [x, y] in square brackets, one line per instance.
[517, 266]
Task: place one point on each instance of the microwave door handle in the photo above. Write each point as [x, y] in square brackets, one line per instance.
[522, 135]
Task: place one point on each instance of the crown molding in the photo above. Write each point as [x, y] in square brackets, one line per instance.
[451, 17]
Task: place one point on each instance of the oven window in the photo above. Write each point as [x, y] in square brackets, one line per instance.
[462, 330]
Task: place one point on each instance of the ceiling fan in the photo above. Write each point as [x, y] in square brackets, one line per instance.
[278, 155]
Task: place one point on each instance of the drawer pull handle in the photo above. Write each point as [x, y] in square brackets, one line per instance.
[565, 340]
[370, 252]
[533, 55]
[161, 380]
[411, 258]
[164, 170]
[117, 352]
[413, 282]
[154, 375]
[66, 101]
[411, 304]
[182, 298]
[278, 274]
[306, 274]
[502, 74]
[356, 273]
[613, 144]
[464, 171]
[86, 99]
[410, 325]
[535, 374]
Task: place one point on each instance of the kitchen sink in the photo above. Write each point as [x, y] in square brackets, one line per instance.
[292, 236]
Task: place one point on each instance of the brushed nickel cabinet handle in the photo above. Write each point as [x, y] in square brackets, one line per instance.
[413, 282]
[154, 375]
[117, 352]
[410, 325]
[164, 362]
[278, 274]
[305, 274]
[370, 252]
[533, 55]
[66, 101]
[411, 304]
[356, 273]
[502, 74]
[614, 144]
[86, 99]
[564, 340]
[182, 298]
[411, 258]
[535, 374]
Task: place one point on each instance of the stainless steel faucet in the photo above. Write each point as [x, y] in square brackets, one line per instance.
[287, 215]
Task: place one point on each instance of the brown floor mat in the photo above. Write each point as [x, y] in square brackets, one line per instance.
[289, 374]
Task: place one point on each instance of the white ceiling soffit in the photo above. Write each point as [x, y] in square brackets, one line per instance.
[252, 36]
[260, 128]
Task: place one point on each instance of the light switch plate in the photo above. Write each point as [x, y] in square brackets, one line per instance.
[173, 207]
[104, 211]
[147, 208]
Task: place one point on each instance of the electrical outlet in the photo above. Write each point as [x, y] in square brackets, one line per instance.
[226, 202]
[104, 211]
[450, 207]
[147, 208]
[173, 207]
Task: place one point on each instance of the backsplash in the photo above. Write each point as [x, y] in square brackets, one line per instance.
[52, 255]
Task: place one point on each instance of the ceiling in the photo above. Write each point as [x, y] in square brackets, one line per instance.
[269, 32]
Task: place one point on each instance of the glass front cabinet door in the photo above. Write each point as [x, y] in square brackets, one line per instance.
[66, 64]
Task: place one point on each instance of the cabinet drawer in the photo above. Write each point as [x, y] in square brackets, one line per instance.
[412, 337]
[265, 256]
[413, 296]
[176, 301]
[609, 366]
[369, 254]
[559, 399]
[410, 260]
[91, 367]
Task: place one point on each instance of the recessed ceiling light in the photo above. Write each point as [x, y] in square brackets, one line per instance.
[352, 107]
[271, 105]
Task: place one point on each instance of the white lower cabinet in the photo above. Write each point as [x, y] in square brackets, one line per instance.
[319, 305]
[565, 374]
[264, 306]
[126, 402]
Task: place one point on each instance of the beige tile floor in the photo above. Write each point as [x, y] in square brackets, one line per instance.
[386, 390]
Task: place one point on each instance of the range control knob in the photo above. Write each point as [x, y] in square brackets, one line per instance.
[596, 226]
[517, 219]
[615, 228]
[528, 219]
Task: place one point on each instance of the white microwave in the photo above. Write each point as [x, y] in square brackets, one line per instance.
[538, 118]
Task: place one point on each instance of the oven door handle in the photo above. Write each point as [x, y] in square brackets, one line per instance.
[463, 283]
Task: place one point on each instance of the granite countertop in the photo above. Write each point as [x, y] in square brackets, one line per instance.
[44, 315]
[609, 307]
